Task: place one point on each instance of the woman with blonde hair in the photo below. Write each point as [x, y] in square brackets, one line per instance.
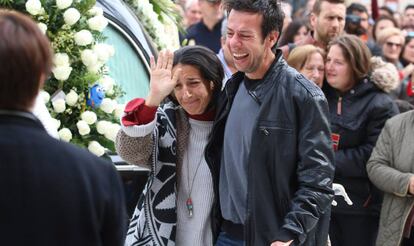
[310, 61]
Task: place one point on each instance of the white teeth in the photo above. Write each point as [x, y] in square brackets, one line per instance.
[239, 55]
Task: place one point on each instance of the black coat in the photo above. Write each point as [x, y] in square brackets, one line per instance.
[362, 114]
[53, 193]
[290, 164]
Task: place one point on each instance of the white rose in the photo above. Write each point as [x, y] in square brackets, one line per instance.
[59, 105]
[95, 68]
[56, 123]
[65, 134]
[107, 84]
[44, 95]
[89, 117]
[83, 127]
[107, 105]
[83, 38]
[111, 131]
[88, 57]
[71, 16]
[102, 125]
[42, 26]
[63, 4]
[95, 11]
[119, 110]
[103, 51]
[61, 72]
[61, 60]
[34, 7]
[71, 98]
[95, 148]
[97, 23]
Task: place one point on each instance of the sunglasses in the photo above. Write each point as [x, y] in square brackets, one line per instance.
[390, 44]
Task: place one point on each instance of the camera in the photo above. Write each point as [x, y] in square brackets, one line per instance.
[353, 25]
[353, 19]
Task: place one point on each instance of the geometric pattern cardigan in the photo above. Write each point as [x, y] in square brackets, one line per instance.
[154, 219]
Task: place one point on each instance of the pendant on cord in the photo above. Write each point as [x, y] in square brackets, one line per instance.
[189, 204]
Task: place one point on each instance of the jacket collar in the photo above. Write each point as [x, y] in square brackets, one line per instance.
[257, 89]
[20, 118]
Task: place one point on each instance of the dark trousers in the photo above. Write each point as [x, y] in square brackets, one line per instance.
[225, 239]
[353, 230]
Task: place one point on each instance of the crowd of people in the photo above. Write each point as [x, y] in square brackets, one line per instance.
[245, 130]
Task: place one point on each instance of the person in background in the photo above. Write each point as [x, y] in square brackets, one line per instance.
[391, 169]
[408, 18]
[392, 41]
[192, 13]
[52, 193]
[179, 204]
[406, 92]
[309, 61]
[381, 23]
[275, 158]
[225, 56]
[327, 21]
[386, 11]
[207, 32]
[287, 11]
[357, 11]
[295, 32]
[358, 109]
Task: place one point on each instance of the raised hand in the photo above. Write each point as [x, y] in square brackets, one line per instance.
[162, 81]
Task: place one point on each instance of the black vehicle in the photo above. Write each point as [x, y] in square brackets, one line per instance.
[130, 69]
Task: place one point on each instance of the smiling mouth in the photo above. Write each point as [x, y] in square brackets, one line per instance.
[239, 56]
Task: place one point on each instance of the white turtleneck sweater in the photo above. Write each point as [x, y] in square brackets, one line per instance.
[195, 230]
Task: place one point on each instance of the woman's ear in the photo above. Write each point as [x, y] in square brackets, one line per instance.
[211, 85]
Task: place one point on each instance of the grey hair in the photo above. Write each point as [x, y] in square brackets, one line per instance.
[188, 4]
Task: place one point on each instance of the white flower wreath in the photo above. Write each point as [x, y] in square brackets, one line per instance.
[78, 83]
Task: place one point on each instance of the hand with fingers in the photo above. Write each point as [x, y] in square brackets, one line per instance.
[162, 79]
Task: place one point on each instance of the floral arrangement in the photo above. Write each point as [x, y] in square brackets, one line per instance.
[161, 21]
[80, 95]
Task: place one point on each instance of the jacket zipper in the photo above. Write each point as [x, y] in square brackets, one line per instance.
[339, 106]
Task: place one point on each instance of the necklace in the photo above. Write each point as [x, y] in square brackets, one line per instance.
[189, 202]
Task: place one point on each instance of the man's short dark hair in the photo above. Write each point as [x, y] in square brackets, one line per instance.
[409, 6]
[25, 55]
[317, 6]
[356, 7]
[270, 10]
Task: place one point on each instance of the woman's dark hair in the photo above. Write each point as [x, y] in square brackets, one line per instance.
[408, 39]
[25, 56]
[381, 18]
[291, 30]
[207, 62]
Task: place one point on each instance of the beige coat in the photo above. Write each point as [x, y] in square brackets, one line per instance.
[390, 167]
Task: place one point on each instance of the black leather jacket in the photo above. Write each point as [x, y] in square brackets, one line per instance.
[290, 164]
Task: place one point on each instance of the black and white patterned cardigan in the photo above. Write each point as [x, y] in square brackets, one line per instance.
[154, 219]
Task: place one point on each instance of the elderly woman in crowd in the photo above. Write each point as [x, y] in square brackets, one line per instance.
[310, 61]
[391, 169]
[358, 109]
[177, 206]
